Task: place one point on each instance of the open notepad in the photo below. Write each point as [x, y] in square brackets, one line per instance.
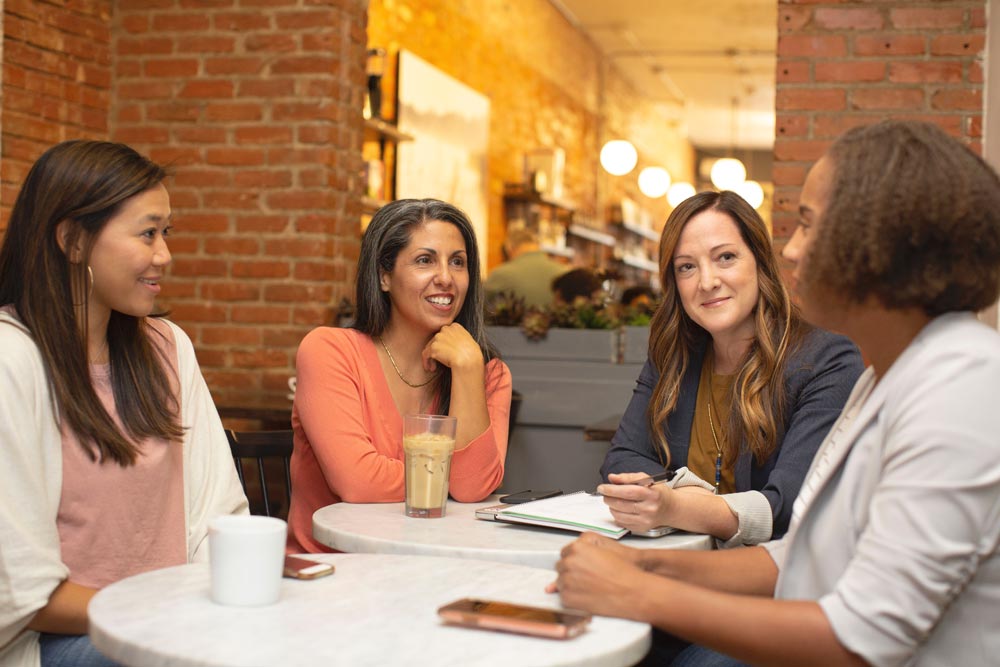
[578, 511]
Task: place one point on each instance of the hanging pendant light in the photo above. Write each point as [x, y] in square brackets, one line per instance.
[619, 157]
[727, 173]
[751, 192]
[654, 181]
[678, 192]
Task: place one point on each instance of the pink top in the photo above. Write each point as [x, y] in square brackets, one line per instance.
[349, 434]
[114, 522]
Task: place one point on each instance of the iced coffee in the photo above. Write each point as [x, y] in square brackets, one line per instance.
[428, 443]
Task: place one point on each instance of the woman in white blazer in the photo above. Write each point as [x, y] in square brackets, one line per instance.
[892, 556]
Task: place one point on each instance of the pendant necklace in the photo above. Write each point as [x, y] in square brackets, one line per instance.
[393, 362]
[718, 447]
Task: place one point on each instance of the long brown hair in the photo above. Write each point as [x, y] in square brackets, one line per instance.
[85, 184]
[758, 392]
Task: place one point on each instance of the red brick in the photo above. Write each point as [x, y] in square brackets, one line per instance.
[793, 71]
[304, 65]
[173, 111]
[889, 45]
[264, 134]
[218, 66]
[296, 156]
[957, 45]
[951, 98]
[261, 314]
[280, 337]
[305, 200]
[234, 156]
[204, 4]
[219, 245]
[145, 46]
[173, 67]
[976, 126]
[786, 200]
[275, 43]
[233, 111]
[850, 71]
[808, 99]
[196, 268]
[304, 19]
[847, 18]
[325, 42]
[230, 335]
[298, 293]
[135, 24]
[977, 17]
[231, 199]
[922, 71]
[300, 111]
[267, 88]
[206, 44]
[910, 18]
[263, 358]
[261, 269]
[975, 72]
[200, 134]
[175, 156]
[207, 88]
[291, 247]
[788, 174]
[196, 312]
[793, 150]
[312, 315]
[833, 125]
[242, 22]
[887, 98]
[263, 179]
[142, 135]
[262, 223]
[203, 222]
[793, 19]
[180, 22]
[178, 288]
[315, 271]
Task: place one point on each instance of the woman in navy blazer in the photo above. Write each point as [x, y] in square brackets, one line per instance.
[738, 392]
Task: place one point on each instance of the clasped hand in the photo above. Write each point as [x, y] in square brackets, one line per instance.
[454, 347]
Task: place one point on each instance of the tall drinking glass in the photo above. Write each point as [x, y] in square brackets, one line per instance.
[428, 442]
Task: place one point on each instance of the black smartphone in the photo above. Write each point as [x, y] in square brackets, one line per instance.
[528, 496]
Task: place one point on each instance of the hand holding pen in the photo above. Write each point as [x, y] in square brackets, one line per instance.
[638, 501]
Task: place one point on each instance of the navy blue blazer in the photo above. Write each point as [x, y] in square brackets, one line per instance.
[819, 377]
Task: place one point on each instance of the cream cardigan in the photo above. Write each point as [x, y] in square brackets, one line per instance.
[31, 481]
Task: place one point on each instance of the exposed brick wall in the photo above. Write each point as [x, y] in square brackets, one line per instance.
[256, 105]
[843, 64]
[543, 79]
[56, 82]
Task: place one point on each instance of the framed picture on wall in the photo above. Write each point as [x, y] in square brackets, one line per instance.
[450, 126]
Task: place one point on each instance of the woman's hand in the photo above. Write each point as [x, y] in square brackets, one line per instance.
[638, 508]
[599, 575]
[454, 347]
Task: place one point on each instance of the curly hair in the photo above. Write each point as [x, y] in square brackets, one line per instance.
[913, 220]
[758, 392]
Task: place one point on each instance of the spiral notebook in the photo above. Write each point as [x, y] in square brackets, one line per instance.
[579, 512]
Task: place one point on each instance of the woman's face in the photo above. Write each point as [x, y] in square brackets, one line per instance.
[129, 256]
[428, 284]
[716, 276]
[813, 202]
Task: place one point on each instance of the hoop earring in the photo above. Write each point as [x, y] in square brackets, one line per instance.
[90, 288]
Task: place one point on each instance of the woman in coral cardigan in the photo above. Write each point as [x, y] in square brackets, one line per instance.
[418, 345]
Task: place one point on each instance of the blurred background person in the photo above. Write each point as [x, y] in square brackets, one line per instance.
[527, 271]
[579, 283]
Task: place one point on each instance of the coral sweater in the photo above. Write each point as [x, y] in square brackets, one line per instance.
[349, 433]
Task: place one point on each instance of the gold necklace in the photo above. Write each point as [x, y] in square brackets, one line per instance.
[393, 362]
[718, 447]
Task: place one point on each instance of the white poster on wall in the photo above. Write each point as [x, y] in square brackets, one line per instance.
[450, 126]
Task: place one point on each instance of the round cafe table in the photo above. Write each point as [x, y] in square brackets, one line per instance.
[374, 610]
[385, 528]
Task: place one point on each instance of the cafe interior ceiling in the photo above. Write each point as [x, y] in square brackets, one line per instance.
[708, 66]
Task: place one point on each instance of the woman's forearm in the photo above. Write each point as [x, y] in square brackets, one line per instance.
[746, 571]
[699, 512]
[468, 404]
[66, 611]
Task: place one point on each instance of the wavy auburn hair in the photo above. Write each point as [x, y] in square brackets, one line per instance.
[84, 184]
[755, 423]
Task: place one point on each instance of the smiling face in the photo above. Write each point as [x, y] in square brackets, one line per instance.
[716, 275]
[428, 283]
[129, 256]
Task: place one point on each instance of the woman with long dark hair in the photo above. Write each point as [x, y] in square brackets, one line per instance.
[737, 393]
[418, 345]
[114, 456]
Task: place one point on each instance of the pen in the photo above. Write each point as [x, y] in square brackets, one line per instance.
[649, 480]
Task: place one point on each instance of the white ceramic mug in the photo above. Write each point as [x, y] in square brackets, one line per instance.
[247, 555]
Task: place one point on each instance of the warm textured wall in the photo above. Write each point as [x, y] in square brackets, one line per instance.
[256, 104]
[544, 80]
[842, 64]
[56, 60]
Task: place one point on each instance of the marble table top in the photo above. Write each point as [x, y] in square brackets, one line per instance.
[375, 610]
[384, 528]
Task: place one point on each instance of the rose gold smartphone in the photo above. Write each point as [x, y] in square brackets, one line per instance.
[303, 568]
[508, 617]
